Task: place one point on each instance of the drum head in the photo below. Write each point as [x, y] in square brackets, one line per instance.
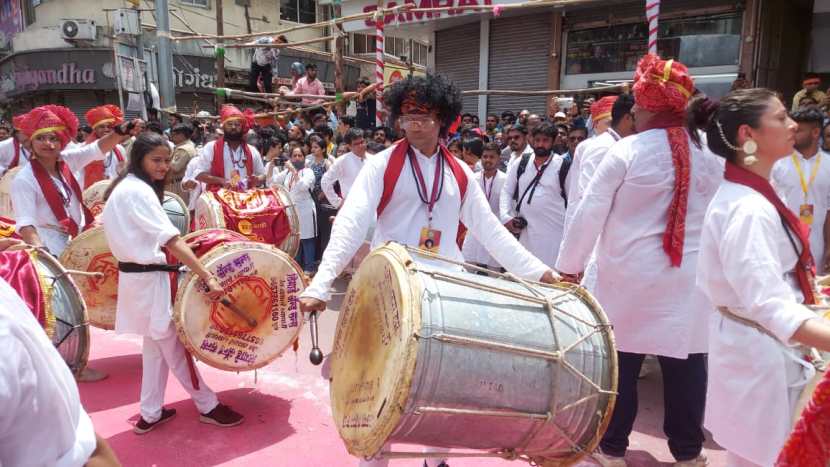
[375, 350]
[208, 213]
[177, 212]
[264, 285]
[90, 252]
[94, 196]
[6, 208]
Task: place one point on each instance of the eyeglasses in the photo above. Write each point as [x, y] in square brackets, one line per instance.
[577, 139]
[413, 121]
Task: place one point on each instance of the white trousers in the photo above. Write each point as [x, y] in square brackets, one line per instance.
[734, 460]
[158, 358]
[431, 462]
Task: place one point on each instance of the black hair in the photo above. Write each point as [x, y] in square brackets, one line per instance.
[518, 127]
[809, 115]
[739, 107]
[811, 75]
[622, 107]
[144, 144]
[562, 127]
[85, 128]
[347, 120]
[455, 142]
[364, 81]
[494, 116]
[352, 134]
[315, 138]
[475, 146]
[579, 128]
[310, 65]
[433, 91]
[546, 129]
[492, 147]
[183, 129]
[374, 147]
[324, 129]
[508, 113]
[154, 127]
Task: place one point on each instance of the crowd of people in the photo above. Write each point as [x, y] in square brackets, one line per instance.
[694, 223]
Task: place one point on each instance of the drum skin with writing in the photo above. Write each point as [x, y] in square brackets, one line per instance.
[90, 252]
[263, 284]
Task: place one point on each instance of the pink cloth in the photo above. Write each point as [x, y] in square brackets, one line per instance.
[304, 87]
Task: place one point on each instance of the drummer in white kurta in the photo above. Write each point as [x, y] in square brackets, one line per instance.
[345, 168]
[601, 121]
[803, 182]
[136, 228]
[299, 180]
[491, 180]
[240, 166]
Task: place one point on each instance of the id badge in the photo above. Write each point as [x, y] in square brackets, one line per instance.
[430, 240]
[805, 212]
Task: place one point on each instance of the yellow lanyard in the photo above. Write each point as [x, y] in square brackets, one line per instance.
[805, 186]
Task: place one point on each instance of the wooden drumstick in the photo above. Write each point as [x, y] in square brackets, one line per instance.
[238, 312]
[96, 275]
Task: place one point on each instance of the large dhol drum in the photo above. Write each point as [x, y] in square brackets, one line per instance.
[89, 252]
[63, 313]
[263, 320]
[6, 208]
[427, 353]
[263, 215]
[174, 205]
[93, 196]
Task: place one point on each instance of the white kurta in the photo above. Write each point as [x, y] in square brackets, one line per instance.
[31, 209]
[298, 187]
[204, 161]
[406, 215]
[746, 262]
[545, 212]
[111, 165]
[7, 155]
[787, 183]
[473, 250]
[42, 422]
[345, 170]
[518, 155]
[190, 174]
[655, 308]
[575, 168]
[136, 228]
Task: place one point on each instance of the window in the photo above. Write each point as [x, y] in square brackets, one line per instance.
[420, 53]
[298, 11]
[363, 43]
[396, 46]
[198, 3]
[697, 42]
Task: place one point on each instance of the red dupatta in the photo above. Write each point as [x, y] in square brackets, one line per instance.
[53, 197]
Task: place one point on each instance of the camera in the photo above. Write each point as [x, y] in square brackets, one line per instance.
[520, 223]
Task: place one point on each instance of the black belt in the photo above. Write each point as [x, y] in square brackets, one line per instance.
[135, 267]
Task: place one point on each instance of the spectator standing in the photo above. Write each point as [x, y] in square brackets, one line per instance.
[310, 85]
[264, 63]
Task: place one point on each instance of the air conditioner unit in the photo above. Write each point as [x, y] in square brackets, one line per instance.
[78, 29]
[126, 22]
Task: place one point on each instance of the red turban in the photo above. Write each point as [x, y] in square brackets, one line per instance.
[17, 121]
[601, 109]
[105, 114]
[230, 112]
[662, 85]
[50, 119]
[267, 120]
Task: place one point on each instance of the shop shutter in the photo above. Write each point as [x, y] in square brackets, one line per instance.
[456, 56]
[519, 54]
[82, 101]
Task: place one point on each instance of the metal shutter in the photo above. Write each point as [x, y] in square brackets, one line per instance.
[519, 51]
[79, 102]
[456, 56]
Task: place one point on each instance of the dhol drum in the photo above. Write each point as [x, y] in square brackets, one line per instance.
[6, 208]
[54, 299]
[174, 205]
[428, 353]
[262, 215]
[89, 252]
[263, 317]
[93, 196]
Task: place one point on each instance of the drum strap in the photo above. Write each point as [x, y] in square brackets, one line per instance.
[217, 165]
[138, 268]
[53, 198]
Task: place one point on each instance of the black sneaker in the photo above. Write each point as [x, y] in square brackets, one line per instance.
[442, 464]
[222, 416]
[143, 426]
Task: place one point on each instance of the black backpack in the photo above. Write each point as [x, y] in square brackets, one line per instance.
[563, 175]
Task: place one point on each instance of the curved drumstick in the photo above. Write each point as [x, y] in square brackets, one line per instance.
[238, 312]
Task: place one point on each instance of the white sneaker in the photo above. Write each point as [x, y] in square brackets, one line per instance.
[608, 461]
[699, 461]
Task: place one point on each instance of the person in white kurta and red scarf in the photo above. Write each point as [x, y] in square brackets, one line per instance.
[103, 119]
[15, 151]
[230, 162]
[645, 206]
[418, 190]
[756, 267]
[137, 228]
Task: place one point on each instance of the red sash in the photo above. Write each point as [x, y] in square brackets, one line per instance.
[53, 198]
[217, 165]
[393, 172]
[805, 269]
[95, 171]
[16, 158]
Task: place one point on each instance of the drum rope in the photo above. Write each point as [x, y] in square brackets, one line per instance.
[507, 454]
[72, 328]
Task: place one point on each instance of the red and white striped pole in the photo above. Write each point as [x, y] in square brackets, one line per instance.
[380, 114]
[653, 17]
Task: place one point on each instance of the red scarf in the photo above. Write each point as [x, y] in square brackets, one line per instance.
[95, 172]
[675, 233]
[16, 159]
[217, 166]
[805, 269]
[53, 197]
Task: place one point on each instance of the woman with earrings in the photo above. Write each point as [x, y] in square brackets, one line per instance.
[756, 268]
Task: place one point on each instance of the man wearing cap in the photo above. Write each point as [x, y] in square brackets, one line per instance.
[310, 85]
[15, 151]
[230, 162]
[102, 119]
[645, 205]
[811, 85]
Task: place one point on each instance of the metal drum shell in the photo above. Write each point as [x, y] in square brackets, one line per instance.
[430, 372]
[6, 208]
[181, 217]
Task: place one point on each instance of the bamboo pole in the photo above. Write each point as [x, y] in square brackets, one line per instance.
[252, 45]
[552, 92]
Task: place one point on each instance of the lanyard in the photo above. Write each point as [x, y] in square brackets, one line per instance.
[484, 185]
[805, 186]
[532, 186]
[437, 183]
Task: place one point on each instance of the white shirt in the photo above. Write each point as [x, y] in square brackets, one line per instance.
[575, 168]
[589, 159]
[31, 208]
[205, 160]
[42, 422]
[473, 250]
[345, 170]
[298, 187]
[655, 308]
[518, 155]
[7, 155]
[405, 216]
[544, 212]
[111, 165]
[787, 183]
[746, 262]
[136, 228]
[190, 174]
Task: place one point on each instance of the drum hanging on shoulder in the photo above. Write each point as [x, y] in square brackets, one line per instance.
[263, 320]
[46, 287]
[6, 207]
[90, 252]
[263, 215]
[427, 353]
